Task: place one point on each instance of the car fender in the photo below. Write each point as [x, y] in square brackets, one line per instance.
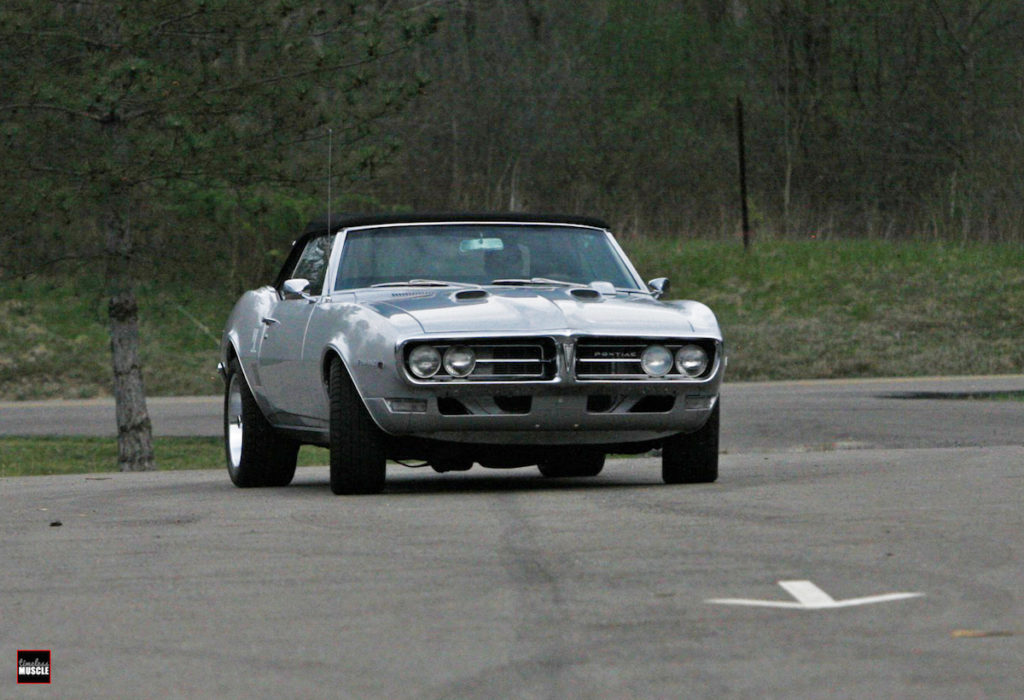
[242, 336]
[701, 317]
[365, 342]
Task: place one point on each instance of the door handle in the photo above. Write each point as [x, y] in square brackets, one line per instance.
[267, 320]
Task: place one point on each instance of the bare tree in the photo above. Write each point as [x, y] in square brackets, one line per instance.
[118, 107]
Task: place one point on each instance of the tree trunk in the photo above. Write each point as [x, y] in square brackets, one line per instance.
[134, 431]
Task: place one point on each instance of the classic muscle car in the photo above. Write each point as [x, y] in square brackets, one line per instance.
[507, 340]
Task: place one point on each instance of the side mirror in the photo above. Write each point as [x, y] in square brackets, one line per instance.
[297, 288]
[659, 286]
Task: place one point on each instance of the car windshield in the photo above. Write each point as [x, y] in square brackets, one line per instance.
[481, 254]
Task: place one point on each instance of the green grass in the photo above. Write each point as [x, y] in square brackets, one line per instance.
[853, 308]
[54, 341]
[32, 456]
[789, 309]
[1004, 396]
[961, 396]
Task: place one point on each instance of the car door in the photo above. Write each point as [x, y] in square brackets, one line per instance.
[284, 371]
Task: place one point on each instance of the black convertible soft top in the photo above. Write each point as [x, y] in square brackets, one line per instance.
[340, 221]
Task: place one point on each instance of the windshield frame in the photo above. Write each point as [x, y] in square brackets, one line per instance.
[629, 275]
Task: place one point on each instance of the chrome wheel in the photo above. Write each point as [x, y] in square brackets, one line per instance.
[233, 421]
[256, 454]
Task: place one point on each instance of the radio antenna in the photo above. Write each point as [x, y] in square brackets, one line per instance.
[330, 160]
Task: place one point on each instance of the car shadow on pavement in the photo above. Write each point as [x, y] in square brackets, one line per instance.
[424, 481]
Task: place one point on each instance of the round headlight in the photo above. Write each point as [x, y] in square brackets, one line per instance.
[424, 361]
[656, 361]
[459, 361]
[691, 360]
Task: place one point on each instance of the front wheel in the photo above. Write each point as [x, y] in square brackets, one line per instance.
[692, 458]
[358, 457]
[256, 454]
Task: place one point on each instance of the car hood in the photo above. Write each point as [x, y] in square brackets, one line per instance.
[518, 310]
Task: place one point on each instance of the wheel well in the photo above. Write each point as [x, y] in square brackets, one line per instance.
[325, 368]
[223, 368]
[330, 356]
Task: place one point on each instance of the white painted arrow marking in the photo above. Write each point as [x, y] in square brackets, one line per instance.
[810, 597]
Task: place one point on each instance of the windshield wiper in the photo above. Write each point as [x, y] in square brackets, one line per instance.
[424, 283]
[539, 281]
[546, 282]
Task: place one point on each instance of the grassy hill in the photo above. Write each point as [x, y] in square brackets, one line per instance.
[855, 308]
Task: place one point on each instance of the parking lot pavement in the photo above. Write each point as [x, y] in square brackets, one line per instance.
[492, 584]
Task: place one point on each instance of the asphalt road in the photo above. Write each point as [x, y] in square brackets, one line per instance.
[503, 584]
[770, 416]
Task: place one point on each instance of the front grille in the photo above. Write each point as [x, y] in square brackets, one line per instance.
[619, 358]
[599, 359]
[513, 361]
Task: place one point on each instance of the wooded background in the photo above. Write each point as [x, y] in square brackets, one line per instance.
[894, 118]
[865, 117]
[186, 142]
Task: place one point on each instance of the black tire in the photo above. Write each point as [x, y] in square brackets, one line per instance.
[583, 463]
[692, 458]
[256, 455]
[358, 455]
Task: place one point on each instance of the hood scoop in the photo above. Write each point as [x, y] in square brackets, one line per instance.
[585, 294]
[470, 294]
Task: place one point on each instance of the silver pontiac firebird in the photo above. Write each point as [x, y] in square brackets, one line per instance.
[506, 340]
